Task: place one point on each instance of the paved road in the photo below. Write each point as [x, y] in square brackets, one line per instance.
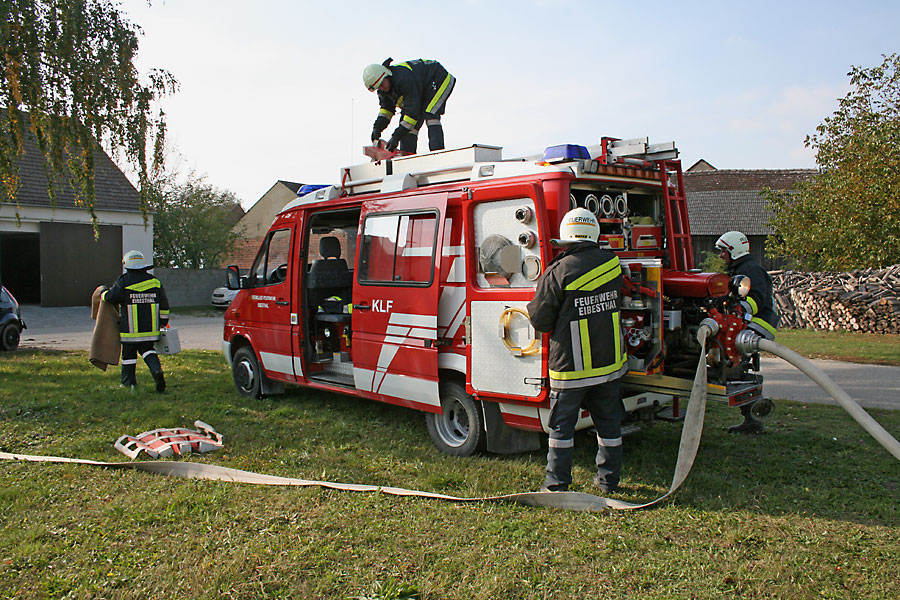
[70, 328]
[873, 386]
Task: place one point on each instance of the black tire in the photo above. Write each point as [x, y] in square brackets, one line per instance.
[246, 373]
[9, 337]
[762, 408]
[459, 430]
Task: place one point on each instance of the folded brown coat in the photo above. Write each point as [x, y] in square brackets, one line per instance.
[105, 342]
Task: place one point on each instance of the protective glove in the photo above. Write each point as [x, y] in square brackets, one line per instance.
[393, 143]
[375, 137]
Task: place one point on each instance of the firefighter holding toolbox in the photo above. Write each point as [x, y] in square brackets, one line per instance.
[577, 302]
[419, 88]
[143, 308]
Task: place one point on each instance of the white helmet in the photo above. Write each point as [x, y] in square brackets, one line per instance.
[578, 225]
[735, 243]
[134, 260]
[373, 75]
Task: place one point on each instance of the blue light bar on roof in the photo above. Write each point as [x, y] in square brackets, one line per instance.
[309, 188]
[565, 152]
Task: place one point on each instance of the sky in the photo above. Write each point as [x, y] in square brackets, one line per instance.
[272, 89]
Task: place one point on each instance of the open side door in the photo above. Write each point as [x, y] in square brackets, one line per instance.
[395, 300]
[508, 233]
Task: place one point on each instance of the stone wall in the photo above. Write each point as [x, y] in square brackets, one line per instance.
[190, 287]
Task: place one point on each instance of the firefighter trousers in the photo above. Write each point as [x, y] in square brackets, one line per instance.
[410, 142]
[604, 402]
[130, 352]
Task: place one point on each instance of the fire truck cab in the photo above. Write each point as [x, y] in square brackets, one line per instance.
[407, 283]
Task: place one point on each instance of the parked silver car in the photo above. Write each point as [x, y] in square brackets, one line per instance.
[222, 297]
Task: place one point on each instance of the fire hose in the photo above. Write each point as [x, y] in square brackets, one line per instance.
[692, 429]
[748, 342]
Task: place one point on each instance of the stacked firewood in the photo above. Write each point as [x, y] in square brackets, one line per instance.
[865, 300]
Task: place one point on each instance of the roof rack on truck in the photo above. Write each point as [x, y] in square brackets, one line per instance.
[479, 161]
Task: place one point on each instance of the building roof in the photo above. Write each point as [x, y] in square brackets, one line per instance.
[294, 187]
[743, 179]
[729, 199]
[700, 165]
[112, 189]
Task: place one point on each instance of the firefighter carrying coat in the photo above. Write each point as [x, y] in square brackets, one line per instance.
[577, 301]
[143, 306]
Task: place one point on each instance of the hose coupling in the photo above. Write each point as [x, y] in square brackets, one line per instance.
[711, 325]
[747, 342]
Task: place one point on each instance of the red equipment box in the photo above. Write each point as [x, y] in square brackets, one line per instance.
[646, 237]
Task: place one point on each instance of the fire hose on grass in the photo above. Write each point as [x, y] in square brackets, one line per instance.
[748, 342]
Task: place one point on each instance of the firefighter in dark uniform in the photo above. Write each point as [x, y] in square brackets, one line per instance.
[577, 302]
[759, 305]
[419, 88]
[143, 309]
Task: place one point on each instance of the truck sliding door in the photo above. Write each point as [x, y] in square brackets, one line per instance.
[395, 300]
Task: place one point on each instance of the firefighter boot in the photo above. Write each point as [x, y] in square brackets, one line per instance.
[152, 360]
[609, 466]
[751, 424]
[559, 468]
[435, 135]
[129, 368]
[160, 381]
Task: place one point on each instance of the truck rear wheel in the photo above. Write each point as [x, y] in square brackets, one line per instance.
[459, 429]
[246, 373]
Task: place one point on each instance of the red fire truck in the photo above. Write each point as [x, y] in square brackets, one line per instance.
[406, 283]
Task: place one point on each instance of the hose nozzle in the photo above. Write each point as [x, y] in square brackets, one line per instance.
[747, 342]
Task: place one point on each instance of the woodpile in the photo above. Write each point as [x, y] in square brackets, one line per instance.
[865, 300]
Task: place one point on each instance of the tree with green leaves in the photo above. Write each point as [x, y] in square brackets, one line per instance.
[67, 73]
[192, 224]
[848, 215]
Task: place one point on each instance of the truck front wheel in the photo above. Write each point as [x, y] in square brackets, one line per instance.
[246, 373]
[459, 429]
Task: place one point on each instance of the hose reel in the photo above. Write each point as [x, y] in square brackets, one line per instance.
[533, 346]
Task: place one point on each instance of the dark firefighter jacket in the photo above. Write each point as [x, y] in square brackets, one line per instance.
[143, 305]
[577, 301]
[417, 87]
[760, 299]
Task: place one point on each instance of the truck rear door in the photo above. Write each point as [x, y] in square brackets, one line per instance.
[395, 300]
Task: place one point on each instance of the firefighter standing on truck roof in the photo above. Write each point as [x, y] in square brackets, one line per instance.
[143, 308]
[759, 306]
[420, 89]
[577, 302]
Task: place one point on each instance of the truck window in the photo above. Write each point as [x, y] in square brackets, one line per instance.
[398, 248]
[271, 264]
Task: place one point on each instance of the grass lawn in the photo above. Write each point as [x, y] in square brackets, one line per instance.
[850, 346]
[811, 509]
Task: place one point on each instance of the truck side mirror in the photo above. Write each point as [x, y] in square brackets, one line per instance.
[233, 277]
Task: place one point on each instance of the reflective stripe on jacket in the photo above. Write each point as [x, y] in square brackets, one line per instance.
[577, 301]
[143, 306]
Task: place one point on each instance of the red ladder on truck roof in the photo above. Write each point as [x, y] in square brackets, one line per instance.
[639, 152]
[678, 227]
